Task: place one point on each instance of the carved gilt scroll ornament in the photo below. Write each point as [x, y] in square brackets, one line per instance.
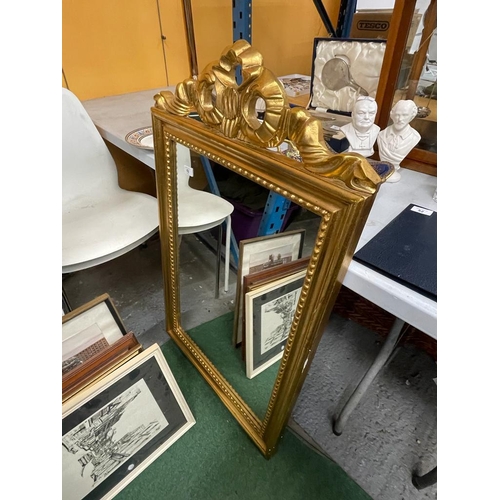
[231, 108]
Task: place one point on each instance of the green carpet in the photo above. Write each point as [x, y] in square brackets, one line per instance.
[215, 459]
[215, 339]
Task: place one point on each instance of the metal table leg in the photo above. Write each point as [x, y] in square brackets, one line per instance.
[66, 306]
[421, 482]
[227, 257]
[382, 357]
[217, 267]
[227, 253]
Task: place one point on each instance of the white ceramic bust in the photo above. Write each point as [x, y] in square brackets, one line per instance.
[398, 139]
[362, 131]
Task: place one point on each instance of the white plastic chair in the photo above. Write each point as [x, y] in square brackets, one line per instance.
[199, 211]
[100, 220]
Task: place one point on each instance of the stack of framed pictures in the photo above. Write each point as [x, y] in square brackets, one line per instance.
[121, 404]
[94, 341]
[271, 273]
[260, 254]
[271, 297]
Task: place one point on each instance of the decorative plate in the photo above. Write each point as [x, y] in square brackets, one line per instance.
[142, 138]
[383, 169]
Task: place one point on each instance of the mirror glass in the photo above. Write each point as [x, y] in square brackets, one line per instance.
[417, 79]
[210, 320]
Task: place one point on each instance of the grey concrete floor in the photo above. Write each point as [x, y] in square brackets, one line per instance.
[392, 432]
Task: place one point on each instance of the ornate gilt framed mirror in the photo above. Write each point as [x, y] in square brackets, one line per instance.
[337, 189]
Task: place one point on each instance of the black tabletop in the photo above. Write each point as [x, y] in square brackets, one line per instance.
[406, 250]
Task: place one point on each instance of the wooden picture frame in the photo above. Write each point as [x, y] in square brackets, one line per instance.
[255, 280]
[113, 429]
[269, 312]
[259, 254]
[99, 365]
[94, 341]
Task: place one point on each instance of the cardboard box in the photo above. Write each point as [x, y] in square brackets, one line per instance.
[376, 24]
[371, 24]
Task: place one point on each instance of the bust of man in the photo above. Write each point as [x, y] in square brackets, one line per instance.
[398, 139]
[362, 132]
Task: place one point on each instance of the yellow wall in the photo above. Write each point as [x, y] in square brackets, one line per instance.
[112, 47]
[283, 32]
[213, 29]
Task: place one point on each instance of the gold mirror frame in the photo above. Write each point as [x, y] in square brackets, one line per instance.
[340, 188]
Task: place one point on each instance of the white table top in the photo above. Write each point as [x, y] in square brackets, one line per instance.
[392, 198]
[116, 116]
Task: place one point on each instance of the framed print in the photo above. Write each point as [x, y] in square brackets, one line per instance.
[113, 429]
[88, 330]
[94, 340]
[99, 364]
[255, 280]
[269, 314]
[259, 254]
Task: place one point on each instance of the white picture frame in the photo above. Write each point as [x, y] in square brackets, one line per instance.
[115, 428]
[269, 312]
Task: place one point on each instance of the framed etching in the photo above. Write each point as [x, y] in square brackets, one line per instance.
[269, 312]
[115, 428]
[260, 254]
[265, 277]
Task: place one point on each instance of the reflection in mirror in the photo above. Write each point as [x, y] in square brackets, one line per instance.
[210, 321]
